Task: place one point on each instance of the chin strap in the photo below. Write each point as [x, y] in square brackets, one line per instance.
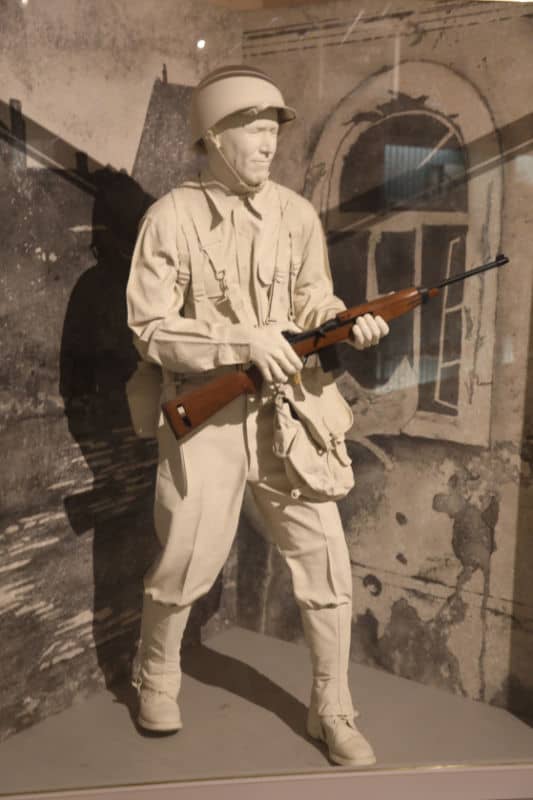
[230, 176]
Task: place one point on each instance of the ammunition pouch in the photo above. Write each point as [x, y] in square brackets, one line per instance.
[309, 435]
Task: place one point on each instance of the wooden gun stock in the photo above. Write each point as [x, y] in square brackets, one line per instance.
[187, 411]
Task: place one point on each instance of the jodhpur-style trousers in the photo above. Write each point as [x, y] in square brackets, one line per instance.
[199, 493]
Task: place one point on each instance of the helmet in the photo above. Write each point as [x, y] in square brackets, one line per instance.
[233, 88]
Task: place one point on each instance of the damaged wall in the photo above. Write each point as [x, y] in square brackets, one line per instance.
[92, 127]
[414, 142]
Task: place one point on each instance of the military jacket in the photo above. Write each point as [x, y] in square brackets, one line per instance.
[208, 264]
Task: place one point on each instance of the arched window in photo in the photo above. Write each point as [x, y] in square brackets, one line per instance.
[399, 212]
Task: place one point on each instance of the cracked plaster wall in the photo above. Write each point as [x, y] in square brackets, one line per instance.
[439, 531]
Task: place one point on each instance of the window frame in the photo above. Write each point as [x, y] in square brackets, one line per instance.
[453, 99]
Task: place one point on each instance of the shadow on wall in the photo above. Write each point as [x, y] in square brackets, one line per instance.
[96, 360]
[111, 472]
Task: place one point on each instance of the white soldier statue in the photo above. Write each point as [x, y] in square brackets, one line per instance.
[222, 266]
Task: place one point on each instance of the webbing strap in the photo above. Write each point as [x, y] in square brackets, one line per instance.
[285, 270]
[188, 253]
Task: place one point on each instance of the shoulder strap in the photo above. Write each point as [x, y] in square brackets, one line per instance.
[286, 270]
[188, 243]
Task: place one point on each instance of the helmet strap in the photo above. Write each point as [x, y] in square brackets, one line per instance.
[226, 172]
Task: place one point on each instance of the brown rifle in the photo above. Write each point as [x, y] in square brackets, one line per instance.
[189, 410]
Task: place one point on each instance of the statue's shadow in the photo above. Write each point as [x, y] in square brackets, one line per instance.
[211, 668]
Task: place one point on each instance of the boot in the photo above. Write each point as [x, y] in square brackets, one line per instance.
[330, 718]
[346, 744]
[156, 670]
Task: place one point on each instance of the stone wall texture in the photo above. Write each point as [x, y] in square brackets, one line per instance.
[414, 142]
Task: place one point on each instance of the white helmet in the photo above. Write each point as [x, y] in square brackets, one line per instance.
[234, 88]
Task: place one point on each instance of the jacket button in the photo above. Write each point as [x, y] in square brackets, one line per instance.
[295, 494]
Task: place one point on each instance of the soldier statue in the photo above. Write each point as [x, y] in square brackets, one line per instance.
[222, 266]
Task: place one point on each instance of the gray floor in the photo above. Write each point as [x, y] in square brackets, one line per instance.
[243, 704]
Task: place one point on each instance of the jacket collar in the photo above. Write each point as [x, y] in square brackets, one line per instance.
[223, 201]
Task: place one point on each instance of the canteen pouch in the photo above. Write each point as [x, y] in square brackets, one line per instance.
[309, 435]
[143, 391]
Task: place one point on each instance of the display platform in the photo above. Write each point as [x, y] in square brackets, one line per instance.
[243, 704]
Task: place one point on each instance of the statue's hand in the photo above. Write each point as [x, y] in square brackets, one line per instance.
[272, 353]
[367, 331]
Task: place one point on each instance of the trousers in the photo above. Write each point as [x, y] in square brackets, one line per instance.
[199, 494]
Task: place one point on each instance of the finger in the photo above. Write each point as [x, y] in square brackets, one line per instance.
[294, 360]
[373, 327]
[291, 355]
[382, 325]
[278, 375]
[358, 338]
[361, 323]
[289, 367]
[265, 372]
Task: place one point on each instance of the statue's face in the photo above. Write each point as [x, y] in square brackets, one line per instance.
[249, 144]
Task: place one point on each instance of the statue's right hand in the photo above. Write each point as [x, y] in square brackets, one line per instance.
[272, 353]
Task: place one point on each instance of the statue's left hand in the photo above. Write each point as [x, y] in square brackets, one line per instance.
[367, 331]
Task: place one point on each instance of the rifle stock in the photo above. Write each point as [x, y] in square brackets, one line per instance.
[187, 411]
[190, 409]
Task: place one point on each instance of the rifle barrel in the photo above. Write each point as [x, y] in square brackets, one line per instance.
[499, 261]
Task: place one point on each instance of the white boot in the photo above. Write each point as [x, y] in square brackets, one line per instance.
[156, 669]
[330, 719]
[346, 744]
